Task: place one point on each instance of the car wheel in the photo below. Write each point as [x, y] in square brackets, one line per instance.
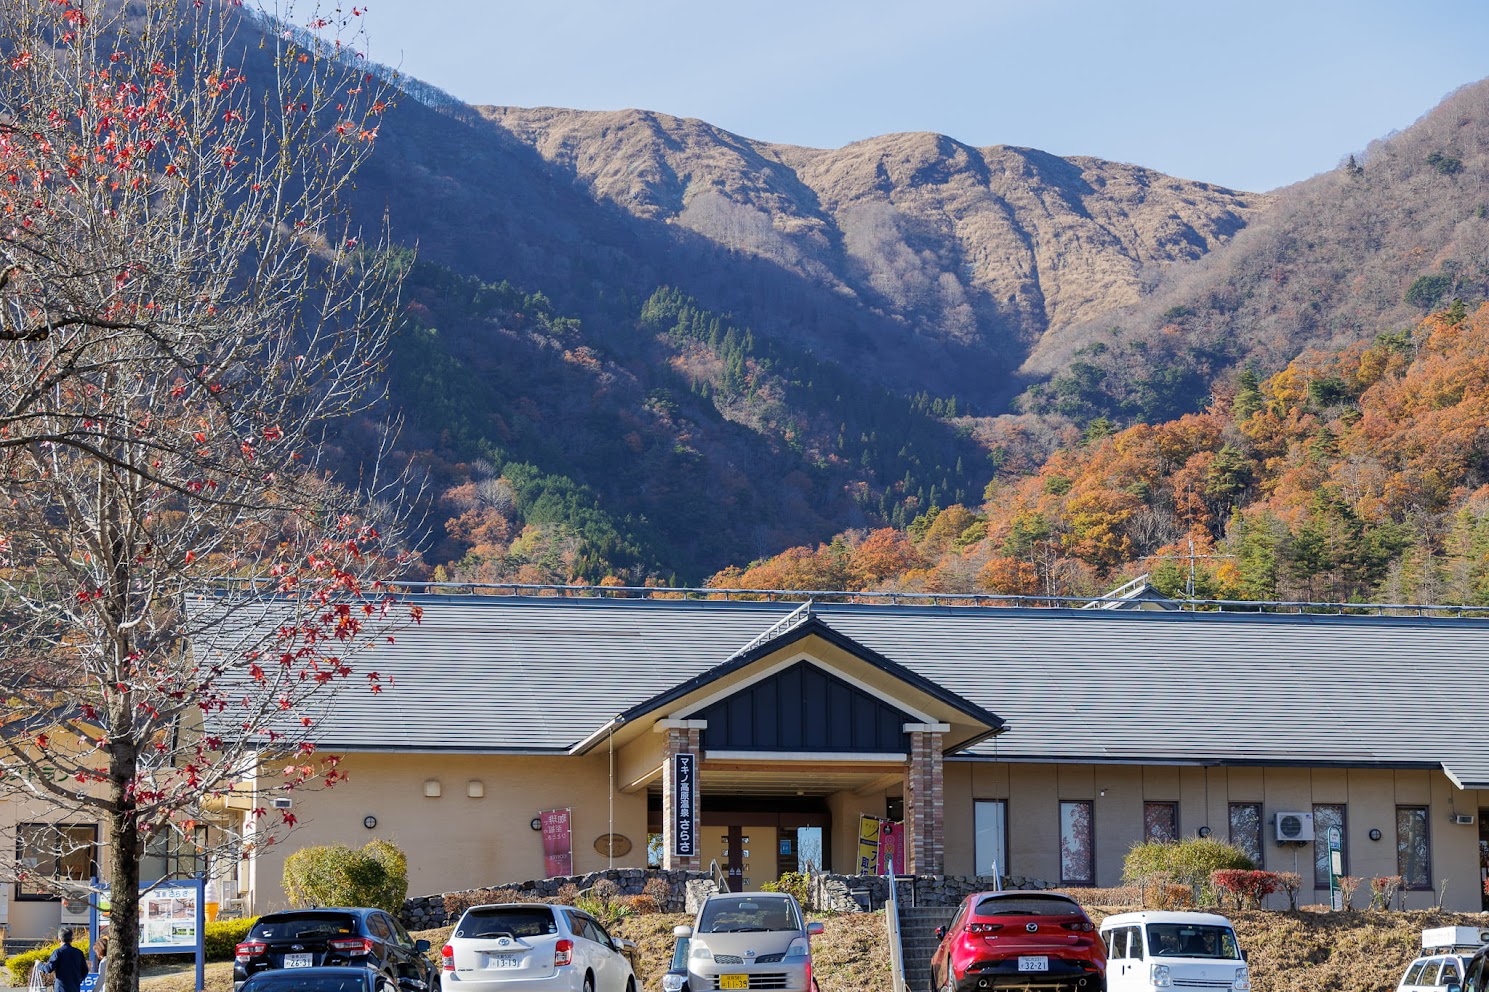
[631, 984]
[589, 983]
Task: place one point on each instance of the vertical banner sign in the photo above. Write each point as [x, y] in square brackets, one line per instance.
[868, 845]
[684, 804]
[558, 842]
[891, 846]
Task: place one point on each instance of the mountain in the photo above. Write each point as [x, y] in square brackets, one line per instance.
[1363, 249]
[1359, 474]
[985, 248]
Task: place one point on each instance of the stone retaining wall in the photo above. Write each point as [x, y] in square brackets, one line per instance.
[836, 893]
[428, 912]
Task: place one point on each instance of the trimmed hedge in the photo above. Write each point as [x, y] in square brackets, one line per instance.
[336, 875]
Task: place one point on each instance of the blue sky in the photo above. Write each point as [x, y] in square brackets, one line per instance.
[1251, 95]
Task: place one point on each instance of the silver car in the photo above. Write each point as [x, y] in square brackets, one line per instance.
[750, 940]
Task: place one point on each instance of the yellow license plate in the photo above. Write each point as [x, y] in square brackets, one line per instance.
[734, 981]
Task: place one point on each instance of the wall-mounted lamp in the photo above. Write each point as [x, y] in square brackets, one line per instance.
[431, 788]
[1374, 833]
[369, 821]
[475, 788]
[1102, 792]
[1205, 831]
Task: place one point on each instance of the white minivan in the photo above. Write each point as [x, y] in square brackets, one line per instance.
[1155, 950]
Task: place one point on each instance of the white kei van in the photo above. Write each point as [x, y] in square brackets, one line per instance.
[1154, 950]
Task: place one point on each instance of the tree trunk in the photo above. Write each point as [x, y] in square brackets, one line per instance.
[122, 965]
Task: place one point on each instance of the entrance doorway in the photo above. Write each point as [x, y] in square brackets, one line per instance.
[752, 855]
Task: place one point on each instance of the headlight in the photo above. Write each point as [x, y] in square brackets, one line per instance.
[700, 951]
[1243, 980]
[1159, 976]
[673, 983]
[799, 948]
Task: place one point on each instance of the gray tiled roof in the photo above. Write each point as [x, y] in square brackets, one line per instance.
[541, 674]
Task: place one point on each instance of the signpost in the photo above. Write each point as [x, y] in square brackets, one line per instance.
[172, 919]
[1336, 867]
[684, 806]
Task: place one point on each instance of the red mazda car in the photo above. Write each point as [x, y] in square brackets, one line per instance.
[1019, 940]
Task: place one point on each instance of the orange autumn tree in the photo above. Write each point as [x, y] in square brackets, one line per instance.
[184, 315]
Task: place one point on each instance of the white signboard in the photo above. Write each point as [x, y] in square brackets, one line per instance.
[168, 917]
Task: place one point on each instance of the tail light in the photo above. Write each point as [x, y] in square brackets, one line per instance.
[1083, 926]
[563, 953]
[983, 927]
[352, 945]
[249, 949]
[447, 957]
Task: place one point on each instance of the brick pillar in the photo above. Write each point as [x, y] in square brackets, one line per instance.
[924, 801]
[680, 739]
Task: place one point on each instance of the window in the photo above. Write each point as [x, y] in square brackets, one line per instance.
[990, 820]
[1246, 830]
[1326, 815]
[1161, 822]
[47, 852]
[1413, 973]
[1116, 945]
[1077, 844]
[1413, 848]
[1135, 943]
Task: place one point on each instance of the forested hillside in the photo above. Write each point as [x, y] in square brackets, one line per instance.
[1369, 247]
[1355, 474]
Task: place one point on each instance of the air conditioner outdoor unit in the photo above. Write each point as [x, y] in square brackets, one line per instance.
[1463, 819]
[1294, 827]
[281, 802]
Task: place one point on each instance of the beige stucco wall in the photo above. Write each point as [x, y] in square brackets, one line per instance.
[455, 841]
[1033, 793]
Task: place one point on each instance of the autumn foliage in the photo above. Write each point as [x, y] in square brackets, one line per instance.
[1354, 475]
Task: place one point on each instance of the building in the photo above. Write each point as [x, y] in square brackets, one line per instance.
[1045, 740]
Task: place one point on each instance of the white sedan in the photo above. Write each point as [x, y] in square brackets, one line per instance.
[521, 946]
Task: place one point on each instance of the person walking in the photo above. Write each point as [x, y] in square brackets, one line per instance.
[68, 966]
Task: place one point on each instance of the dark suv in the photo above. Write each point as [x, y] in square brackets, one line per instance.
[309, 938]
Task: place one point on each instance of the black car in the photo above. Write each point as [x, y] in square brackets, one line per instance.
[316, 938]
[1475, 974]
[343, 978]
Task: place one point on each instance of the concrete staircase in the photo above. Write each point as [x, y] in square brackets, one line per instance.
[918, 935]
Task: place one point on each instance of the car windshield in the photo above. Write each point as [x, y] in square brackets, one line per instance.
[291, 981]
[1027, 905]
[299, 926]
[742, 914]
[513, 921]
[1188, 940]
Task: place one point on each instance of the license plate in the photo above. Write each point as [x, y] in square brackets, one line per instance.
[299, 960]
[734, 981]
[503, 961]
[1039, 963]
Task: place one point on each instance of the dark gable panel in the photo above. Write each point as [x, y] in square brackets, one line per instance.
[804, 708]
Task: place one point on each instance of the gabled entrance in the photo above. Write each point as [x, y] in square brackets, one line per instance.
[802, 728]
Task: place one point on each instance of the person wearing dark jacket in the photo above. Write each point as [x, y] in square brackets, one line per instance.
[68, 966]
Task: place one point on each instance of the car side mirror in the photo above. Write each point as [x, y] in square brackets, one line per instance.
[815, 929]
[682, 930]
[1246, 956]
[940, 933]
[621, 944]
[420, 946]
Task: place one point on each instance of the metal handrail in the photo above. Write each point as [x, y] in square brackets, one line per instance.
[892, 924]
[720, 880]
